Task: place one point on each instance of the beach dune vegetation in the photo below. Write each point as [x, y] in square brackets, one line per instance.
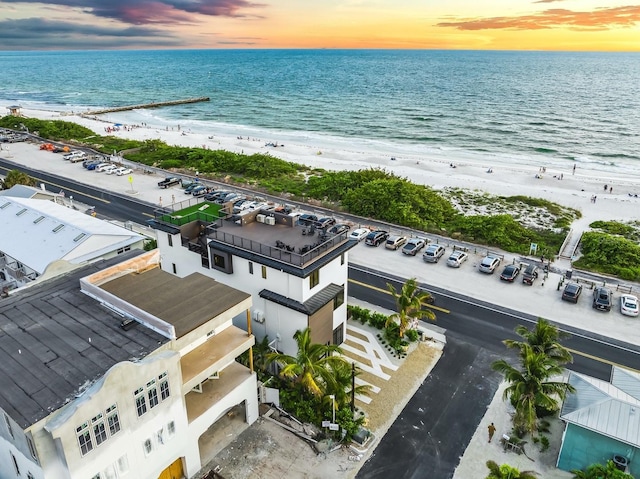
[609, 254]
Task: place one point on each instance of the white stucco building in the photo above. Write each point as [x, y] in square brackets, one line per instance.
[120, 370]
[296, 280]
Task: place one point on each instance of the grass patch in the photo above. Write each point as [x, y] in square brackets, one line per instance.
[206, 211]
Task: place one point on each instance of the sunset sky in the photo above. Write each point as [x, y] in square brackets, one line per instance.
[592, 25]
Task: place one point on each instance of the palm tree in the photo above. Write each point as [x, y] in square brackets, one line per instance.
[600, 471]
[314, 368]
[341, 389]
[529, 387]
[543, 338]
[17, 177]
[505, 471]
[410, 303]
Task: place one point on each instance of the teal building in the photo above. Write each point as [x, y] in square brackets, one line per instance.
[602, 422]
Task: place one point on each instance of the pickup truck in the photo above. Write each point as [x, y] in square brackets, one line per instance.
[169, 181]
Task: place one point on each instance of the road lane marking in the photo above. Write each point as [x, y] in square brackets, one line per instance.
[601, 360]
[375, 288]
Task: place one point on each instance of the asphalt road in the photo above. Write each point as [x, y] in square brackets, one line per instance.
[434, 429]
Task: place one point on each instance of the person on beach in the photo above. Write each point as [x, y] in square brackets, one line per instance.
[574, 170]
[492, 430]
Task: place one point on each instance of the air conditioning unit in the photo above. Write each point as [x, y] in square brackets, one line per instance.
[270, 220]
[260, 218]
[258, 316]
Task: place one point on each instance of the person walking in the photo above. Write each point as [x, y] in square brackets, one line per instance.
[492, 430]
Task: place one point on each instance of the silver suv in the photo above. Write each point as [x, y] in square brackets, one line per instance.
[489, 264]
[433, 253]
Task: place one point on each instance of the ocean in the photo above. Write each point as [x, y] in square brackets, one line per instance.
[535, 107]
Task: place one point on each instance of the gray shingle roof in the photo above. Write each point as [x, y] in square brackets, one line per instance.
[55, 341]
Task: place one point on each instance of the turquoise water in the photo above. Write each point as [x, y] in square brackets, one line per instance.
[582, 107]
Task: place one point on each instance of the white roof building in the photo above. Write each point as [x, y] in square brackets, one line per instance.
[37, 234]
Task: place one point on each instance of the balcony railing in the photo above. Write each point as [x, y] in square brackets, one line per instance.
[299, 257]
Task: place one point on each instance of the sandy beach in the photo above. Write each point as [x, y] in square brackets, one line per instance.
[508, 176]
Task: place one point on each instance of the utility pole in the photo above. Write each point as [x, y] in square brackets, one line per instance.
[353, 387]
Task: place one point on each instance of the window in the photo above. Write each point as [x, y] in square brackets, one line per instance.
[152, 392]
[264, 272]
[99, 431]
[218, 261]
[38, 220]
[250, 267]
[338, 300]
[171, 429]
[148, 447]
[141, 402]
[32, 448]
[113, 420]
[123, 250]
[123, 464]
[15, 464]
[57, 228]
[342, 259]
[314, 279]
[21, 212]
[8, 422]
[84, 438]
[170, 239]
[79, 237]
[175, 271]
[338, 335]
[164, 389]
[5, 205]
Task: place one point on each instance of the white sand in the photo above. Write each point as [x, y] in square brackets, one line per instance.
[511, 176]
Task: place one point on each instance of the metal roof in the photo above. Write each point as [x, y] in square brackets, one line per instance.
[310, 306]
[55, 341]
[56, 232]
[604, 408]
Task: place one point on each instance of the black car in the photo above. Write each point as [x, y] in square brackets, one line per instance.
[510, 273]
[307, 219]
[602, 299]
[376, 237]
[530, 274]
[572, 292]
[338, 229]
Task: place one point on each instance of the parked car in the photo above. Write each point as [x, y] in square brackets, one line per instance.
[92, 161]
[359, 234]
[338, 229]
[456, 258]
[93, 166]
[510, 273]
[169, 181]
[530, 274]
[374, 238]
[324, 222]
[123, 170]
[74, 154]
[394, 242]
[489, 264]
[189, 189]
[413, 246]
[433, 253]
[602, 298]
[102, 166]
[199, 191]
[572, 292]
[110, 170]
[307, 219]
[629, 305]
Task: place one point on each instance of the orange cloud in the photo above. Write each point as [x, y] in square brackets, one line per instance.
[600, 19]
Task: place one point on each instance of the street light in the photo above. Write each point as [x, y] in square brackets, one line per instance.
[333, 408]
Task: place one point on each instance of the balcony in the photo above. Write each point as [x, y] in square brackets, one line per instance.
[214, 391]
[213, 355]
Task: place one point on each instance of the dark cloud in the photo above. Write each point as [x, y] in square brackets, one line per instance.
[142, 12]
[599, 19]
[40, 34]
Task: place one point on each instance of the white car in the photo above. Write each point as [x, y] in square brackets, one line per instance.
[123, 171]
[101, 166]
[107, 169]
[457, 258]
[111, 171]
[489, 264]
[359, 234]
[74, 154]
[629, 305]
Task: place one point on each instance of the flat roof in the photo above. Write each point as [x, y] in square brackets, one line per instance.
[55, 341]
[186, 303]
